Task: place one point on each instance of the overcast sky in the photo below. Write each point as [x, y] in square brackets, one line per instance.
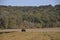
[29, 2]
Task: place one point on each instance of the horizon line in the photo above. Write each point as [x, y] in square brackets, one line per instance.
[29, 5]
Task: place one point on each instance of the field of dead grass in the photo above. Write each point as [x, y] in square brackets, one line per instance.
[30, 36]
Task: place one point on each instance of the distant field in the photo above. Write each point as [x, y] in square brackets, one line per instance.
[32, 30]
[30, 36]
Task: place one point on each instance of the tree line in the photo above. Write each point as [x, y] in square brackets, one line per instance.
[16, 17]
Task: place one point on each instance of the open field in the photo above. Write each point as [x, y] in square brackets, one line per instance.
[30, 36]
[33, 30]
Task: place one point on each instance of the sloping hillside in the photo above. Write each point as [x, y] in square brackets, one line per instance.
[29, 16]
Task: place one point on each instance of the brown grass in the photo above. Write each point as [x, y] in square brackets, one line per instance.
[30, 36]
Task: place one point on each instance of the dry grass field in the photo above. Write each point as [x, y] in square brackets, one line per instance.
[30, 36]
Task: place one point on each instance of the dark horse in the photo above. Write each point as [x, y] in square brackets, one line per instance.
[23, 30]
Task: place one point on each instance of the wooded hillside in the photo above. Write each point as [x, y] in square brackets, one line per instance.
[29, 16]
